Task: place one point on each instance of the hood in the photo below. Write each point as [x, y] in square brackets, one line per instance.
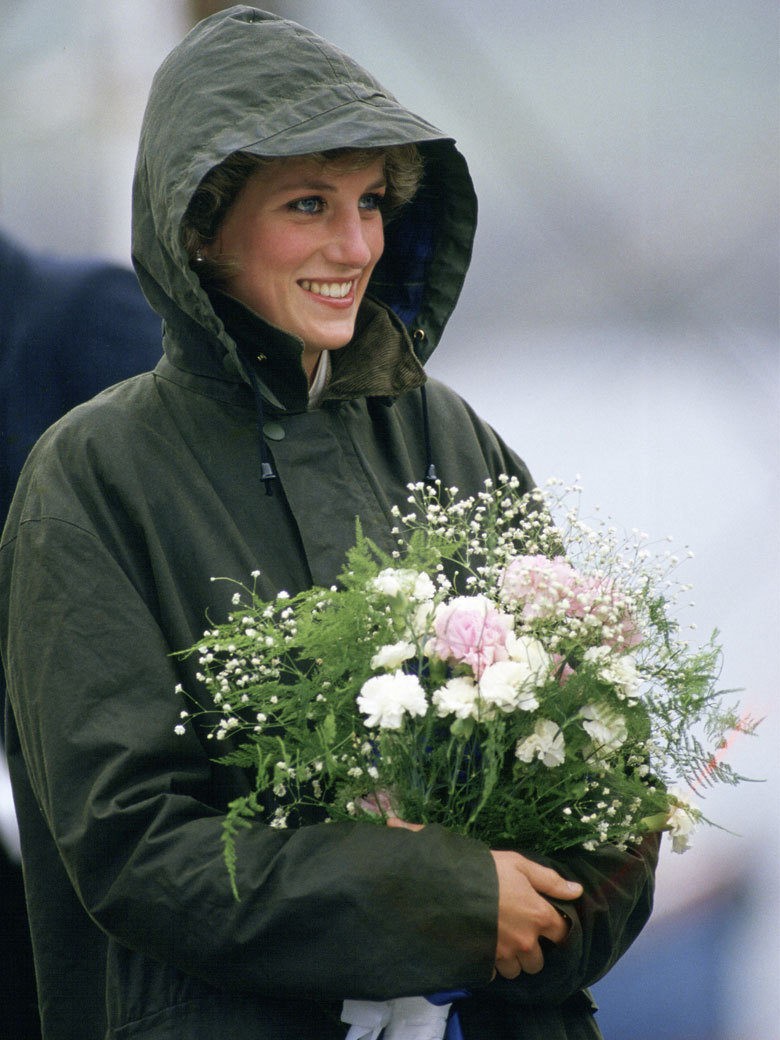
[248, 80]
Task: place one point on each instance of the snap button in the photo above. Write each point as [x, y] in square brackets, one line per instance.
[273, 431]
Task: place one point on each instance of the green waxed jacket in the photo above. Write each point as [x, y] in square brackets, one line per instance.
[126, 510]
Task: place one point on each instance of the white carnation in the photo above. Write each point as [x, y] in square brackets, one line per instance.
[458, 697]
[422, 620]
[506, 685]
[681, 822]
[619, 670]
[424, 590]
[606, 729]
[531, 653]
[545, 743]
[393, 655]
[390, 582]
[385, 699]
[414, 585]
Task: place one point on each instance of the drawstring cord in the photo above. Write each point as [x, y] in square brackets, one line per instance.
[430, 469]
[267, 474]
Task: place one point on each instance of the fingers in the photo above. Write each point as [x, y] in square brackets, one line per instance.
[548, 882]
[544, 880]
[508, 967]
[529, 962]
[524, 913]
[394, 821]
[558, 929]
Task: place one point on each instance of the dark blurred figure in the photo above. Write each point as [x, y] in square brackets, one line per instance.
[68, 329]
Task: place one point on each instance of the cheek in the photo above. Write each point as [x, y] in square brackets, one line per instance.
[272, 252]
[268, 262]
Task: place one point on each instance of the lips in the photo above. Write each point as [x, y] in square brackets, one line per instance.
[331, 290]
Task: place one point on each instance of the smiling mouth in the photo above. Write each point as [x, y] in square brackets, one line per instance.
[331, 290]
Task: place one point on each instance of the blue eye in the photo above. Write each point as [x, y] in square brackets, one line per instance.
[312, 204]
[371, 201]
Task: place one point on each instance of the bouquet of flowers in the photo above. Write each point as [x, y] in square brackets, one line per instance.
[510, 671]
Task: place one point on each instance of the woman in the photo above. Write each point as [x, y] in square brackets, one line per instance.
[301, 293]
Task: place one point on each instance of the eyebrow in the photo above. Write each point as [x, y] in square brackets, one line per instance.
[315, 185]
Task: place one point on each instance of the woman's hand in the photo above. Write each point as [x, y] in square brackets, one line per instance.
[396, 821]
[524, 915]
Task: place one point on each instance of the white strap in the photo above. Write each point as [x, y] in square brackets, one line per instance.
[405, 1018]
[415, 1018]
[367, 1017]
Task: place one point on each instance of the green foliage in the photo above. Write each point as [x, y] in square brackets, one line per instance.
[616, 709]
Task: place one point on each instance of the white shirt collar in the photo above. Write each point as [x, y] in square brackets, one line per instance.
[320, 381]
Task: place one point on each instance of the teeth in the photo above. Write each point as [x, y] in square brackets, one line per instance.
[336, 290]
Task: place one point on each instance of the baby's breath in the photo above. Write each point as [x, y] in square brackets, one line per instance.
[564, 723]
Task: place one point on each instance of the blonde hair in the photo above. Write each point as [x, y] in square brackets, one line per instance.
[216, 193]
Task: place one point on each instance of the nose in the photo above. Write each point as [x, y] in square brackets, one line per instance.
[352, 239]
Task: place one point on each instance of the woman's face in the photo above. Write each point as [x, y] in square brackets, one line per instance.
[306, 238]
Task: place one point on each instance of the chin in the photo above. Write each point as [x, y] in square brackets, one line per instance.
[328, 342]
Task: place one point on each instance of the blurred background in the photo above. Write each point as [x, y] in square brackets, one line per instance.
[620, 325]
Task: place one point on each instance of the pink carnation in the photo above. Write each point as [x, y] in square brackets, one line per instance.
[470, 630]
[539, 583]
[545, 588]
[597, 597]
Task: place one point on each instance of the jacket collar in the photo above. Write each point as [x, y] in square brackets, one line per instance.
[379, 361]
